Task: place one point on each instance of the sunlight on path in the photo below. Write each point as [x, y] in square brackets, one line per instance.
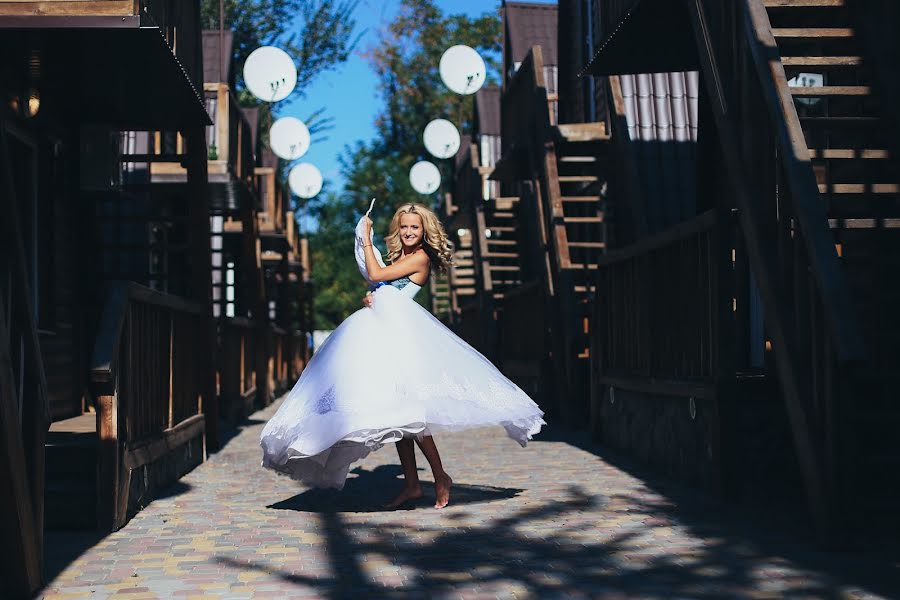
[552, 520]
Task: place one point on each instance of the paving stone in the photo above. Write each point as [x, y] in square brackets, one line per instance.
[562, 518]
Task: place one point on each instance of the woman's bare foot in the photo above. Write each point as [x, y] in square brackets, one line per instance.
[407, 494]
[442, 490]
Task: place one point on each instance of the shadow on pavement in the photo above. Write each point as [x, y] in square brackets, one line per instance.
[369, 490]
[546, 556]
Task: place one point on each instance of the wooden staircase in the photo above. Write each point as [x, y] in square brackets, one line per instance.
[499, 246]
[579, 150]
[462, 272]
[858, 184]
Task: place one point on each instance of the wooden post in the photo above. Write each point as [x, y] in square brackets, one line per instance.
[201, 277]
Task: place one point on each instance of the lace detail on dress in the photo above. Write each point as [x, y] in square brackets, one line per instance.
[401, 283]
[325, 403]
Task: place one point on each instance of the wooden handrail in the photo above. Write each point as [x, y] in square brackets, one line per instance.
[686, 229]
[808, 205]
[106, 347]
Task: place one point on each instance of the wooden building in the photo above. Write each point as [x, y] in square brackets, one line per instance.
[105, 272]
[702, 200]
[110, 197]
[534, 191]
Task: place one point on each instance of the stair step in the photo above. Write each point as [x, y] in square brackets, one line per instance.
[583, 219]
[581, 198]
[578, 159]
[577, 178]
[504, 268]
[503, 214]
[501, 255]
[858, 188]
[821, 61]
[807, 33]
[839, 121]
[832, 90]
[497, 242]
[846, 153]
[502, 228]
[864, 223]
[803, 3]
[584, 267]
[587, 244]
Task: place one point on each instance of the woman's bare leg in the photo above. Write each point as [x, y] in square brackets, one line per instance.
[442, 481]
[412, 489]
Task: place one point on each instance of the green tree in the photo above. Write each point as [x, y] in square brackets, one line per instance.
[318, 34]
[406, 59]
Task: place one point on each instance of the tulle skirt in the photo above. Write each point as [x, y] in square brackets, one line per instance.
[386, 372]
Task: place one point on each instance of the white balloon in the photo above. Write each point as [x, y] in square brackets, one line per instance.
[305, 180]
[289, 138]
[441, 138]
[270, 73]
[425, 177]
[462, 70]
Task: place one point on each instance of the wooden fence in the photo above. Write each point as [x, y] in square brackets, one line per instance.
[237, 373]
[149, 391]
[656, 324]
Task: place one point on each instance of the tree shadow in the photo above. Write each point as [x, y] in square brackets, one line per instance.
[366, 492]
[543, 551]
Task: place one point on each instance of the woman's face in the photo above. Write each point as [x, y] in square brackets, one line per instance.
[411, 230]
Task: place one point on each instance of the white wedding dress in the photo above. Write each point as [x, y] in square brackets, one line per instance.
[388, 371]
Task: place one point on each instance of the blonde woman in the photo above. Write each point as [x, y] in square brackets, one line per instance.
[391, 372]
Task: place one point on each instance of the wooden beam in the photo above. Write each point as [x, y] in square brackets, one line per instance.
[147, 451]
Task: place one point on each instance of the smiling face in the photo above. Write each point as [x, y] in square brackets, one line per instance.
[411, 230]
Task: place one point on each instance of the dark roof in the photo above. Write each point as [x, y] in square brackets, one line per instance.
[211, 55]
[269, 159]
[252, 114]
[652, 36]
[487, 110]
[529, 24]
[465, 141]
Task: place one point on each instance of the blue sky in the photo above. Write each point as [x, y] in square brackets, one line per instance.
[350, 93]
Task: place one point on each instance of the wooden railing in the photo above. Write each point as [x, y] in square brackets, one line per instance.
[149, 385]
[784, 229]
[237, 372]
[280, 361]
[656, 328]
[229, 139]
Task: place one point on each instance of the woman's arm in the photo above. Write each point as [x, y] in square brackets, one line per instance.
[413, 264]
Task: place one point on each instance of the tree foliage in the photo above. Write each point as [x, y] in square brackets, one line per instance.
[318, 34]
[406, 59]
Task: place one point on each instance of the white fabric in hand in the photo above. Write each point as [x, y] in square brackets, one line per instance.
[360, 251]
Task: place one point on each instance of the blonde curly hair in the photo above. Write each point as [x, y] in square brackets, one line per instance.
[434, 241]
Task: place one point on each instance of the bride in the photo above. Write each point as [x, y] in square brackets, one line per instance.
[391, 372]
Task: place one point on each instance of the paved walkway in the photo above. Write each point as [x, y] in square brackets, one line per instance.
[557, 519]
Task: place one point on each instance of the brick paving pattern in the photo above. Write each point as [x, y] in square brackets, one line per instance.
[560, 518]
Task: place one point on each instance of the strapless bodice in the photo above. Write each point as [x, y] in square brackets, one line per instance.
[405, 285]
